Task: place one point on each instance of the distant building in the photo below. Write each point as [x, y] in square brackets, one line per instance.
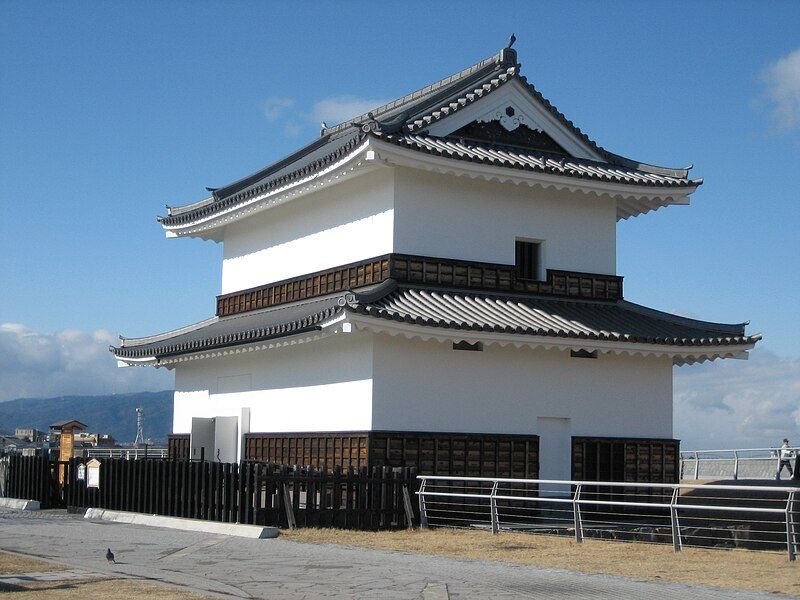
[30, 434]
[434, 283]
[85, 439]
[11, 444]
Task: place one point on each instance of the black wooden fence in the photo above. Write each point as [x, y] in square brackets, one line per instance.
[32, 478]
[248, 492]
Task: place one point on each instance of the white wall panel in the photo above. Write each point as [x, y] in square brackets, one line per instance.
[318, 386]
[428, 386]
[457, 217]
[340, 224]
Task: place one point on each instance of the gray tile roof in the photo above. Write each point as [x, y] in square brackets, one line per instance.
[411, 114]
[534, 161]
[313, 157]
[616, 321]
[257, 326]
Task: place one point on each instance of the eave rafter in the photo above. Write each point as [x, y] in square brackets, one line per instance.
[680, 355]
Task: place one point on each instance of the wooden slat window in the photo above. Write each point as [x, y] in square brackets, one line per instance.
[528, 260]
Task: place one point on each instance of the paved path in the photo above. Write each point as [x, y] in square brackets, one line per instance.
[279, 569]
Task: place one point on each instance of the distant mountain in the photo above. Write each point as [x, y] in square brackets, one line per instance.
[112, 413]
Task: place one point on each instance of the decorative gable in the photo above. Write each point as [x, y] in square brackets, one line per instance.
[512, 105]
[506, 131]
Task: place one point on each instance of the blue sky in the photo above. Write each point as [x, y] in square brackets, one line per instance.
[108, 111]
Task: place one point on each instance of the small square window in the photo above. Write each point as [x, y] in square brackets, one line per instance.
[528, 259]
[476, 347]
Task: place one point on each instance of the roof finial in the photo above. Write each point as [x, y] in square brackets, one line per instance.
[508, 56]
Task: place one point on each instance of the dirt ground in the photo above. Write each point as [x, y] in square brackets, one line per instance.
[739, 569]
[96, 588]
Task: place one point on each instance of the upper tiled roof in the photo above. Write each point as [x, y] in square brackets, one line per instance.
[407, 118]
[535, 161]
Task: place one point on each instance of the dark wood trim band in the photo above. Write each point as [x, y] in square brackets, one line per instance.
[321, 283]
[405, 268]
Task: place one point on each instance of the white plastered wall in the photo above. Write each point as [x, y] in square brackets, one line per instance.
[428, 386]
[456, 217]
[339, 224]
[324, 385]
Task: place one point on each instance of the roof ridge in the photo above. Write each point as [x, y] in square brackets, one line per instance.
[498, 58]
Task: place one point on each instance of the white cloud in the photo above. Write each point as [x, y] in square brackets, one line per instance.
[738, 404]
[337, 109]
[274, 108]
[67, 362]
[782, 80]
[332, 110]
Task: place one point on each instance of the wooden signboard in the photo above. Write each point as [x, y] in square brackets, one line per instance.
[66, 445]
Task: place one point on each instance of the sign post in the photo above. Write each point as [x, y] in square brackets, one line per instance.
[66, 445]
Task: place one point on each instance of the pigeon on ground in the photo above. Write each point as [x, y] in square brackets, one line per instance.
[110, 556]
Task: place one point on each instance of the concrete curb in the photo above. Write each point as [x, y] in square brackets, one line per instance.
[19, 504]
[234, 529]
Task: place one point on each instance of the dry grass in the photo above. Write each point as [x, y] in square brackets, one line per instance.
[16, 563]
[98, 588]
[723, 568]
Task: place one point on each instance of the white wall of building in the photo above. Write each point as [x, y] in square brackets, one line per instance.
[324, 385]
[339, 224]
[361, 381]
[456, 217]
[428, 386]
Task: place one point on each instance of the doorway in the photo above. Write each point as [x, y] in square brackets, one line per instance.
[555, 447]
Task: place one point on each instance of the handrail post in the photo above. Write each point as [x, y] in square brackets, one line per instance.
[677, 545]
[423, 512]
[735, 465]
[696, 467]
[576, 515]
[790, 533]
[493, 509]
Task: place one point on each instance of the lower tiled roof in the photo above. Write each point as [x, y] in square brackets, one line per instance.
[619, 321]
[248, 328]
[614, 321]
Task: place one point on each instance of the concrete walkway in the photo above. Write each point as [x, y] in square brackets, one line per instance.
[278, 569]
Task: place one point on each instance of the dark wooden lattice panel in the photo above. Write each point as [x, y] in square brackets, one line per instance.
[308, 449]
[625, 459]
[178, 446]
[457, 454]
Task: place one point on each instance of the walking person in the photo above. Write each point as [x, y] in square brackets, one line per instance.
[785, 460]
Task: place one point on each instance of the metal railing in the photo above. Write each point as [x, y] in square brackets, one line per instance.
[729, 516]
[744, 463]
[126, 453]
